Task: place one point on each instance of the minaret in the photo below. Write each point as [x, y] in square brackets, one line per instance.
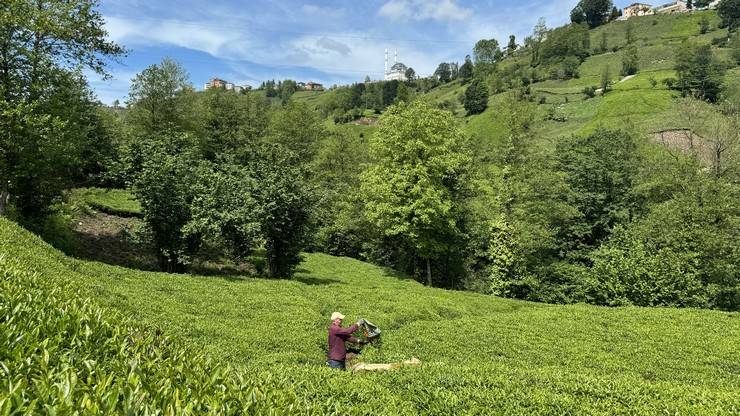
[395, 57]
[386, 62]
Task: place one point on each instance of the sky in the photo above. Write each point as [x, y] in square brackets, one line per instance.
[327, 41]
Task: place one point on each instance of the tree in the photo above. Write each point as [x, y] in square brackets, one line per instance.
[593, 12]
[703, 25]
[283, 202]
[600, 170]
[163, 186]
[729, 12]
[690, 4]
[699, 72]
[39, 43]
[629, 33]
[511, 47]
[297, 128]
[603, 46]
[486, 53]
[287, 89]
[402, 94]
[606, 80]
[476, 97]
[615, 14]
[160, 99]
[410, 74]
[630, 61]
[466, 70]
[414, 188]
[443, 72]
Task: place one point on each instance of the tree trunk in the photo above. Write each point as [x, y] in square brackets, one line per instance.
[3, 197]
[429, 272]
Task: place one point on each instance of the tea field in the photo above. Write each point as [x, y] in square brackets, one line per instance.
[92, 338]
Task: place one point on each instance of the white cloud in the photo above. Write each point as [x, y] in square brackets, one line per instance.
[210, 38]
[442, 10]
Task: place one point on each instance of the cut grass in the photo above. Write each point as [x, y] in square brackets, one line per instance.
[480, 354]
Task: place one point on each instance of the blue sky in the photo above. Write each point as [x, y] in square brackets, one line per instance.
[327, 41]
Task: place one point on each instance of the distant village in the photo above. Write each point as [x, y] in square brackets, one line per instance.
[398, 71]
[643, 9]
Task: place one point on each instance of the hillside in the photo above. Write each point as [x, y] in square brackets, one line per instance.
[634, 103]
[480, 354]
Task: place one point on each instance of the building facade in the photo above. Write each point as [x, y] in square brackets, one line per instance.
[637, 9]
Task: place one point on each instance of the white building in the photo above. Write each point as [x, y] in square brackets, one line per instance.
[397, 71]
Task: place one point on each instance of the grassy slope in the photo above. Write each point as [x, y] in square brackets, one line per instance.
[481, 354]
[633, 103]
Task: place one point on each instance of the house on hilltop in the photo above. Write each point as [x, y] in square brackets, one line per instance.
[637, 9]
[226, 85]
[678, 6]
[314, 86]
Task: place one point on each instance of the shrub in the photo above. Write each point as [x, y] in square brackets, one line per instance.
[589, 91]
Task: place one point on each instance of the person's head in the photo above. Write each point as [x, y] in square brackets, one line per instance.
[337, 318]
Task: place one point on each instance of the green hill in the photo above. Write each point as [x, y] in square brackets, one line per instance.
[480, 354]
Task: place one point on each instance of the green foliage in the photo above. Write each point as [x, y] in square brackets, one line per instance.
[593, 12]
[443, 73]
[565, 47]
[514, 348]
[284, 202]
[163, 186]
[703, 25]
[590, 91]
[63, 354]
[630, 61]
[118, 202]
[476, 97]
[699, 72]
[729, 12]
[486, 53]
[599, 170]
[160, 99]
[50, 127]
[413, 187]
[466, 70]
[606, 81]
[297, 128]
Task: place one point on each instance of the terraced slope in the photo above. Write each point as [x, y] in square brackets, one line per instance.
[480, 354]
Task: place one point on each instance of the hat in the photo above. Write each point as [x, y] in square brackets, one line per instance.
[336, 315]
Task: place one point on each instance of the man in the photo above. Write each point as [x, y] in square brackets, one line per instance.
[337, 337]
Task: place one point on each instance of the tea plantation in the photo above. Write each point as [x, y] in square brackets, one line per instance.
[89, 338]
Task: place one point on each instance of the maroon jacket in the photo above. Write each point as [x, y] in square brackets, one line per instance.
[337, 336]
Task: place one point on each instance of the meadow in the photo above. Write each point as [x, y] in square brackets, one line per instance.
[480, 354]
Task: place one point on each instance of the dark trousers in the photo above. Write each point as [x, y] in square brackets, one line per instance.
[336, 364]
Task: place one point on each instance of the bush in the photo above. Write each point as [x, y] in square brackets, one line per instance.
[589, 91]
[476, 97]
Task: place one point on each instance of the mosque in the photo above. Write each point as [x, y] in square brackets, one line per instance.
[397, 71]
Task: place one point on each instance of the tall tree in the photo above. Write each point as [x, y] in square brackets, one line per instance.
[466, 69]
[486, 53]
[511, 47]
[160, 98]
[410, 74]
[414, 186]
[699, 72]
[630, 61]
[38, 41]
[476, 97]
[443, 72]
[729, 12]
[593, 12]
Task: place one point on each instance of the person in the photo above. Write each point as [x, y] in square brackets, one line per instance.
[337, 337]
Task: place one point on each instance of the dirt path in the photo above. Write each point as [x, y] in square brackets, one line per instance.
[621, 80]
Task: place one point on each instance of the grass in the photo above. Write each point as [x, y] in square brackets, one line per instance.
[480, 354]
[118, 202]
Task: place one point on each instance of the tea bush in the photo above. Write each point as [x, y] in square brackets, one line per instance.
[480, 354]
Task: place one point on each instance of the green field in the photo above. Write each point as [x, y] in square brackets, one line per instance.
[111, 201]
[480, 354]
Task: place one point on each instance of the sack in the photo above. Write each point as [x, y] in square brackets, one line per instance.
[369, 330]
